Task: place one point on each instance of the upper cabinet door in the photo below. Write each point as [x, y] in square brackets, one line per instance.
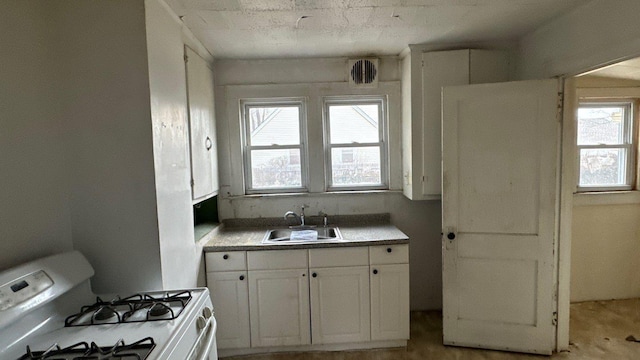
[500, 168]
[440, 68]
[424, 74]
[202, 127]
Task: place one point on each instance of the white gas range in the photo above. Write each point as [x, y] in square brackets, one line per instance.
[47, 311]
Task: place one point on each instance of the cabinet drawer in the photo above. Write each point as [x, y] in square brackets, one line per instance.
[389, 254]
[277, 259]
[340, 256]
[226, 261]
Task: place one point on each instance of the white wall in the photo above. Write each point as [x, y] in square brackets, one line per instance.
[35, 219]
[179, 256]
[314, 78]
[605, 247]
[104, 83]
[597, 33]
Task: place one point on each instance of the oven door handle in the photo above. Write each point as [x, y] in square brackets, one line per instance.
[207, 336]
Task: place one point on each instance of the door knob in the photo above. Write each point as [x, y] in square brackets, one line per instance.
[451, 236]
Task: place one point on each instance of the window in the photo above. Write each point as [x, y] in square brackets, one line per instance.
[355, 146]
[606, 147]
[274, 146]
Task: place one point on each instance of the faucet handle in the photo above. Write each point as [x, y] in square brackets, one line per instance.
[325, 217]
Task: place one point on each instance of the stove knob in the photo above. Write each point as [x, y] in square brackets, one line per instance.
[206, 312]
[201, 323]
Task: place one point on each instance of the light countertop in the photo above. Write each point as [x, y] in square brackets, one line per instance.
[226, 238]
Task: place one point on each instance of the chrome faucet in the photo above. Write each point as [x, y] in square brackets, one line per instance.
[300, 217]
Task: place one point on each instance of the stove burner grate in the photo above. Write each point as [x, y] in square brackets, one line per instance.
[138, 350]
[135, 308]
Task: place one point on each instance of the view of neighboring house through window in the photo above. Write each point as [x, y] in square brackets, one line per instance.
[274, 151]
[355, 143]
[605, 145]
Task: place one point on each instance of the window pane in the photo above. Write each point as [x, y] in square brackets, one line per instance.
[354, 123]
[601, 125]
[274, 125]
[276, 168]
[602, 167]
[355, 166]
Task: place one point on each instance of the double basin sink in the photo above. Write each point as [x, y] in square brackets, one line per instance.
[302, 234]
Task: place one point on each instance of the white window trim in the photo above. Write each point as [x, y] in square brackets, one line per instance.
[247, 147]
[629, 142]
[380, 100]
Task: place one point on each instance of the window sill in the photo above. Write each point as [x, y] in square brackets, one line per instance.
[307, 194]
[627, 197]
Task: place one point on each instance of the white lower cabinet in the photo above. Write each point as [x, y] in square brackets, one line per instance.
[279, 307]
[340, 309]
[342, 295]
[230, 294]
[390, 302]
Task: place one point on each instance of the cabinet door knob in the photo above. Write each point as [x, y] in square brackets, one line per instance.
[208, 144]
[389, 250]
[375, 271]
[314, 275]
[451, 236]
[225, 256]
[241, 277]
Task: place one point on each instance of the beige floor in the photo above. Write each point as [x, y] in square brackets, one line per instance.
[598, 331]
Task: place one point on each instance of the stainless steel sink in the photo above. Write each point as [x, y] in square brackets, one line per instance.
[293, 235]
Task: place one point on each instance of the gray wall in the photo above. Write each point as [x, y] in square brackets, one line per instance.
[35, 216]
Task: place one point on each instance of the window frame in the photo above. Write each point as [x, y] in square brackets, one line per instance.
[629, 142]
[245, 105]
[381, 101]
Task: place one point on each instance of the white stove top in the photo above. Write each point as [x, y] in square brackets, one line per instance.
[34, 310]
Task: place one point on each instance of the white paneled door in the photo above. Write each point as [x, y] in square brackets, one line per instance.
[500, 161]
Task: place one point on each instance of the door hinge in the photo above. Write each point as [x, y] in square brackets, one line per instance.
[422, 63]
[554, 319]
[186, 58]
[192, 182]
[560, 106]
[423, 179]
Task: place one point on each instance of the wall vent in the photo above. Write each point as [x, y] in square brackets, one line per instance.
[363, 72]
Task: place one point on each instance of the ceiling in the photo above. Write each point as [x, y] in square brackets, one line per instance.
[629, 69]
[246, 29]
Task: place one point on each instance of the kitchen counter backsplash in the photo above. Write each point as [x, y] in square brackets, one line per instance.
[333, 220]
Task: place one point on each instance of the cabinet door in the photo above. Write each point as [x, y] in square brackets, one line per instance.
[230, 297]
[279, 307]
[390, 302]
[340, 309]
[202, 129]
[440, 68]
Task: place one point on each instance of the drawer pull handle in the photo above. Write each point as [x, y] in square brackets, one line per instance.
[375, 271]
[389, 250]
[225, 256]
[241, 277]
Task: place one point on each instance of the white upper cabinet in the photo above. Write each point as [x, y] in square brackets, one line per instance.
[202, 127]
[423, 76]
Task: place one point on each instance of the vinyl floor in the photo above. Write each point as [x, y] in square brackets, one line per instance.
[597, 331]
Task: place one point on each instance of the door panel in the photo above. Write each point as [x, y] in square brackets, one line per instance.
[279, 307]
[230, 294]
[340, 304]
[390, 302]
[499, 207]
[202, 129]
